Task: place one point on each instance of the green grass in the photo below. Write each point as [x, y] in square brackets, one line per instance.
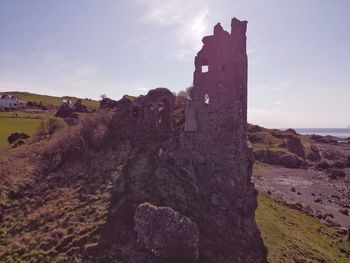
[11, 125]
[293, 236]
[55, 101]
[25, 114]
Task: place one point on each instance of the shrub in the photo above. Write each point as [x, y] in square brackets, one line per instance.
[48, 127]
[78, 142]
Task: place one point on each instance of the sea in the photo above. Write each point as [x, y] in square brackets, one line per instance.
[337, 132]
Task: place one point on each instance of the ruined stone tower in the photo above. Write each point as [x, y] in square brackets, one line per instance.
[217, 111]
[218, 107]
[219, 95]
[198, 172]
[215, 129]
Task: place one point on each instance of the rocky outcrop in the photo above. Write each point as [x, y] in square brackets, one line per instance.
[294, 145]
[107, 103]
[331, 155]
[282, 158]
[313, 153]
[323, 139]
[335, 174]
[167, 234]
[17, 136]
[79, 106]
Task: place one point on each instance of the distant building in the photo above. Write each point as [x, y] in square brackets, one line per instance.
[66, 103]
[8, 101]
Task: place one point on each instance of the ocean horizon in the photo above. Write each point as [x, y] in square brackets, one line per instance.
[337, 132]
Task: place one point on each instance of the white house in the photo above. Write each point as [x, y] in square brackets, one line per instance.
[8, 101]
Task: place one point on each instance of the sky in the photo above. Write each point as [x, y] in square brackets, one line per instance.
[298, 51]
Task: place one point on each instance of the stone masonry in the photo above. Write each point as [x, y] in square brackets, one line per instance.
[200, 169]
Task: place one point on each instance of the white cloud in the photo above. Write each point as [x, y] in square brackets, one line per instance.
[187, 18]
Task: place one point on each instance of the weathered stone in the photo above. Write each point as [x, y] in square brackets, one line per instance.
[335, 174]
[323, 164]
[79, 106]
[344, 211]
[331, 222]
[107, 103]
[342, 231]
[17, 136]
[254, 128]
[313, 153]
[319, 214]
[318, 200]
[278, 158]
[166, 233]
[201, 169]
[294, 145]
[148, 118]
[331, 155]
[324, 139]
[18, 143]
[308, 210]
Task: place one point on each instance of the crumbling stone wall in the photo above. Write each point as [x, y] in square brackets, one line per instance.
[216, 125]
[144, 119]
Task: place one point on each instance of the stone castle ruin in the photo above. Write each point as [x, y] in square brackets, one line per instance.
[185, 193]
[219, 95]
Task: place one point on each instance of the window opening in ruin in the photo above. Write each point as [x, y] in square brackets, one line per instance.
[205, 68]
[160, 110]
[164, 113]
[206, 99]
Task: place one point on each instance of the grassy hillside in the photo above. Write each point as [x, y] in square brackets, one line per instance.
[55, 101]
[293, 236]
[27, 123]
[56, 216]
[11, 125]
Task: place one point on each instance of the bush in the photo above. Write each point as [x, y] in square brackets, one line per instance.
[48, 127]
[79, 141]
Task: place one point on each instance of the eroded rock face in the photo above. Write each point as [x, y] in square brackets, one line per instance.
[107, 103]
[313, 153]
[167, 234]
[285, 159]
[201, 169]
[79, 106]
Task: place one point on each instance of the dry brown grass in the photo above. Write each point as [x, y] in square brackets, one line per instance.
[54, 215]
[79, 142]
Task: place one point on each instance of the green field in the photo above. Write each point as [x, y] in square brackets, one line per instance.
[11, 125]
[293, 236]
[24, 114]
[50, 100]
